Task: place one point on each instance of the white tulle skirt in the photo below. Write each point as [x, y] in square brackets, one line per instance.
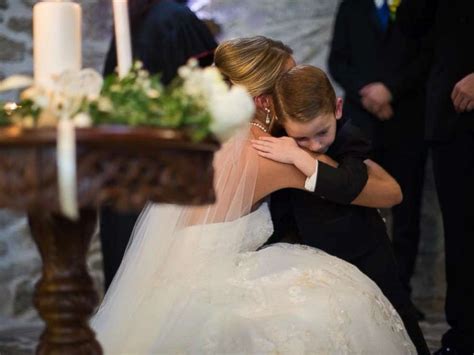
[283, 299]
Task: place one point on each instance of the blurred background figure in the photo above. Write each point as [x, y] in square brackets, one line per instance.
[165, 34]
[383, 74]
[450, 127]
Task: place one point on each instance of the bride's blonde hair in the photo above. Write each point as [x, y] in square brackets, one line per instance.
[253, 62]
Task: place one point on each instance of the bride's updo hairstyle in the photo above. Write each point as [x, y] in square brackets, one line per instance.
[253, 62]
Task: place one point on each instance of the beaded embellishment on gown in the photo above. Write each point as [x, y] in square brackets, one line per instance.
[236, 299]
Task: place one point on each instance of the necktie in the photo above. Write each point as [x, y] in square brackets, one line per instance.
[383, 13]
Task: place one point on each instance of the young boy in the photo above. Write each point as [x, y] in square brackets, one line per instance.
[306, 106]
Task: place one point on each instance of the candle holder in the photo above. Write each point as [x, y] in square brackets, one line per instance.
[117, 166]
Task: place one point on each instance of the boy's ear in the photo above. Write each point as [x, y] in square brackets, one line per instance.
[339, 105]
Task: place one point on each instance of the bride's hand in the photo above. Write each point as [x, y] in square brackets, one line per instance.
[283, 149]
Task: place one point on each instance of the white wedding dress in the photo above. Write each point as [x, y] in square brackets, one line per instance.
[209, 289]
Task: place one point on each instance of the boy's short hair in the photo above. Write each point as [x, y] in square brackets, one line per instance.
[303, 93]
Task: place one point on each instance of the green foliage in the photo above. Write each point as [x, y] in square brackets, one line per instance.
[26, 108]
[138, 99]
[141, 100]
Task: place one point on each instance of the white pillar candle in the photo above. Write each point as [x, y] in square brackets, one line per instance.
[122, 37]
[56, 39]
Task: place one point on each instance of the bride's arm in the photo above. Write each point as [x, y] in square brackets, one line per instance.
[273, 176]
[381, 189]
[355, 182]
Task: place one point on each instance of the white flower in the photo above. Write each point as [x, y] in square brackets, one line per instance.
[230, 111]
[82, 120]
[36, 94]
[184, 71]
[138, 64]
[229, 108]
[193, 63]
[104, 104]
[85, 83]
[16, 82]
[152, 93]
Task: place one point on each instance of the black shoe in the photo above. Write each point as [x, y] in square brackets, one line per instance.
[446, 350]
[420, 316]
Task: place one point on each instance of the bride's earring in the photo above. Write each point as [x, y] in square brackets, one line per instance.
[267, 118]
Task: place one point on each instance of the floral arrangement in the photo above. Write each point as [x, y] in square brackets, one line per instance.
[393, 6]
[198, 101]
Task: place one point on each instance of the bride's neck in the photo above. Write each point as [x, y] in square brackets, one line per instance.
[259, 117]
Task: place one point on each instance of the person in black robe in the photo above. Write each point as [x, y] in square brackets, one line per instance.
[165, 34]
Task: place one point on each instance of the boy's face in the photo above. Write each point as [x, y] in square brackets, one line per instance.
[318, 134]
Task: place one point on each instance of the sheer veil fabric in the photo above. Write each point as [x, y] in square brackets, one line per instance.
[163, 256]
[194, 281]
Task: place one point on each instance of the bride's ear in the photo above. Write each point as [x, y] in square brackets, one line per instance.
[262, 101]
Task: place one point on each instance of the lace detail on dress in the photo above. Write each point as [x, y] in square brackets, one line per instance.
[346, 292]
[285, 299]
[260, 228]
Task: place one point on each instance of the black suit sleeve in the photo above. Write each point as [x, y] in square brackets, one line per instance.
[339, 62]
[344, 183]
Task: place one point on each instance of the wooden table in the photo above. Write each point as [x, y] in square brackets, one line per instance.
[119, 166]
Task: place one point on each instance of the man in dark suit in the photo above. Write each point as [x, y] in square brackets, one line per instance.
[165, 34]
[326, 219]
[450, 128]
[383, 74]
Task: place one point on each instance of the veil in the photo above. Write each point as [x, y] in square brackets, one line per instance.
[178, 254]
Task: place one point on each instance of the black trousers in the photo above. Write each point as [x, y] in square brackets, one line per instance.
[379, 265]
[406, 163]
[453, 164]
[115, 232]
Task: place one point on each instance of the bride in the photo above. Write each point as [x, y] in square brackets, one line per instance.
[194, 281]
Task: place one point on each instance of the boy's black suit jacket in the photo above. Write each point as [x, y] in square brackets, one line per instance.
[324, 219]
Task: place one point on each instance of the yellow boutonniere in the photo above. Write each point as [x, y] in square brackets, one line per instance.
[393, 6]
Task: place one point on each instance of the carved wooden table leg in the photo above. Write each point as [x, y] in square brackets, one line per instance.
[65, 296]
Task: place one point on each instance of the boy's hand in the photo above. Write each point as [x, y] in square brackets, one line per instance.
[283, 149]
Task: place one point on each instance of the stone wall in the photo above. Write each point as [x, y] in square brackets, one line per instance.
[306, 25]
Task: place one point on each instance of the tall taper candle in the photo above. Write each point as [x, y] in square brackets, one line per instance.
[56, 39]
[122, 37]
